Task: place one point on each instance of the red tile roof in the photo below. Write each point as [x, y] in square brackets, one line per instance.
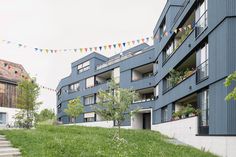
[12, 71]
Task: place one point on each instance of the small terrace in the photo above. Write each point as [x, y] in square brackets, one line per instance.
[142, 72]
[145, 95]
[180, 73]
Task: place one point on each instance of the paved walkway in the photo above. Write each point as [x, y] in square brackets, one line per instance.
[6, 149]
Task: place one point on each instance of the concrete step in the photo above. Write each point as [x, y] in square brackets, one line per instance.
[2, 139]
[15, 154]
[1, 142]
[5, 145]
[9, 150]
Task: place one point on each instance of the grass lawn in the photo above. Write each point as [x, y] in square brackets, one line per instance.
[76, 141]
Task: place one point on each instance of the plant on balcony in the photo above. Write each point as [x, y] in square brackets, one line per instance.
[175, 77]
[177, 115]
[188, 111]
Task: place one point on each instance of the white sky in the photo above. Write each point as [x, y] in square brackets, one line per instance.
[59, 24]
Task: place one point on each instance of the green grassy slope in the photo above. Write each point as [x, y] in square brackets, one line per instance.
[75, 141]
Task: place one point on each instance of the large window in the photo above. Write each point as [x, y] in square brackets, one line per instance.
[8, 95]
[90, 82]
[164, 114]
[2, 118]
[204, 116]
[88, 100]
[201, 17]
[74, 87]
[202, 63]
[83, 67]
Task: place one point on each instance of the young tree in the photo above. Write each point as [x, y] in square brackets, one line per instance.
[75, 108]
[228, 82]
[28, 92]
[114, 103]
[45, 115]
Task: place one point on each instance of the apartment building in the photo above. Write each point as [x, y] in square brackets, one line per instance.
[10, 74]
[195, 42]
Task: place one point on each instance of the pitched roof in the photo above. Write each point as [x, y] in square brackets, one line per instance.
[12, 71]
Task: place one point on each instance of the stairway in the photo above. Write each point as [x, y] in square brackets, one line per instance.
[6, 149]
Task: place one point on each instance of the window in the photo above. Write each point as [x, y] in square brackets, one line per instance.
[164, 114]
[89, 117]
[157, 91]
[97, 98]
[155, 68]
[59, 108]
[90, 82]
[202, 63]
[88, 100]
[201, 18]
[168, 52]
[204, 115]
[162, 29]
[83, 67]
[204, 107]
[74, 87]
[2, 118]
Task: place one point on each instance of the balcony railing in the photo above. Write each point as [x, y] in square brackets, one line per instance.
[116, 60]
[143, 100]
[202, 71]
[168, 85]
[201, 24]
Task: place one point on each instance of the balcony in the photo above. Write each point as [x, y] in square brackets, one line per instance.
[145, 95]
[117, 59]
[186, 107]
[180, 73]
[103, 78]
[182, 33]
[142, 72]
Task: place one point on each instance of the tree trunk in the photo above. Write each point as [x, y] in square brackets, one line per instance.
[119, 129]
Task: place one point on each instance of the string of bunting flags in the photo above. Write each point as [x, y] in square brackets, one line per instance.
[86, 49]
[120, 45]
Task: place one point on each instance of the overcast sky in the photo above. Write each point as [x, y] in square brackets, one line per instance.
[59, 24]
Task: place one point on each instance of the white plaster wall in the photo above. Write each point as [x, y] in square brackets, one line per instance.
[136, 75]
[185, 130]
[103, 124]
[10, 115]
[137, 121]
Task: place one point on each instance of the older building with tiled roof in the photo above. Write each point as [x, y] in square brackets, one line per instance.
[10, 74]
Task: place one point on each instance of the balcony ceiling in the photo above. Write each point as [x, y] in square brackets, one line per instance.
[145, 68]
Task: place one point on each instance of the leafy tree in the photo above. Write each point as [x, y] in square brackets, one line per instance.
[228, 82]
[114, 102]
[75, 108]
[28, 92]
[45, 115]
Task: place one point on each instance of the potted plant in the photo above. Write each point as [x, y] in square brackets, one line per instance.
[177, 115]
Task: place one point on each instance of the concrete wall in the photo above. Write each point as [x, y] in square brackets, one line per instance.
[186, 130]
[103, 124]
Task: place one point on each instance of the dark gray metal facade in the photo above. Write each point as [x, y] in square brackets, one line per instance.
[220, 35]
